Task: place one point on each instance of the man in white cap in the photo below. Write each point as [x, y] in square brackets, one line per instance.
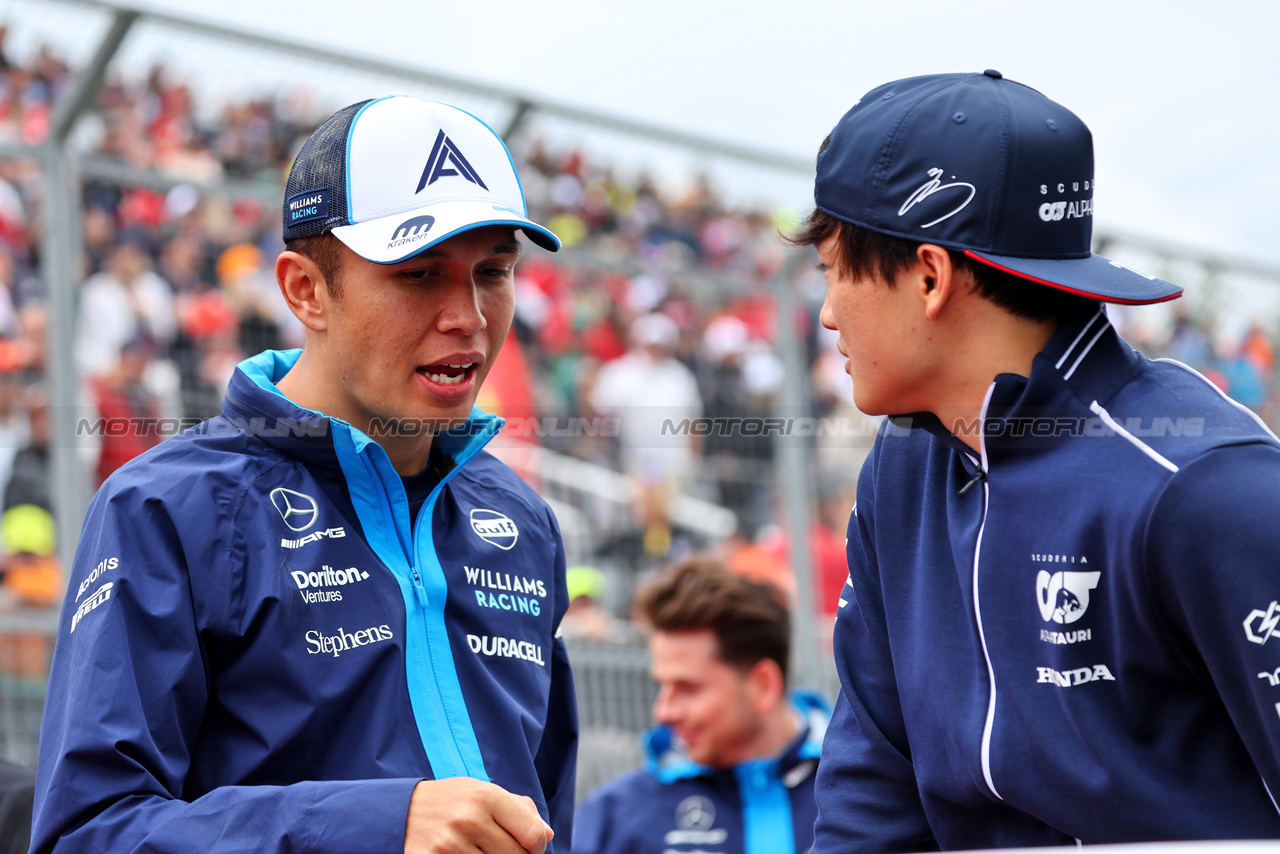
[327, 620]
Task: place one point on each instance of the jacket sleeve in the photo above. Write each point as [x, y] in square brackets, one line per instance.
[1212, 558]
[127, 694]
[866, 789]
[557, 757]
[590, 827]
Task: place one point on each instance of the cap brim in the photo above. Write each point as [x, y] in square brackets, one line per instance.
[1094, 277]
[396, 238]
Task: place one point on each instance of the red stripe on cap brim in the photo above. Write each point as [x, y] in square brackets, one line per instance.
[1093, 266]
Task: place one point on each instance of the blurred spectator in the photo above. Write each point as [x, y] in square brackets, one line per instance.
[587, 617]
[123, 301]
[29, 477]
[31, 572]
[651, 393]
[127, 408]
[32, 576]
[206, 351]
[737, 384]
[14, 426]
[646, 388]
[265, 322]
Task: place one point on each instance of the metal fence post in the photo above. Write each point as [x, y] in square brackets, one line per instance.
[60, 254]
[793, 468]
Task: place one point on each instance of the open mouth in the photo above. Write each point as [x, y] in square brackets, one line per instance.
[448, 374]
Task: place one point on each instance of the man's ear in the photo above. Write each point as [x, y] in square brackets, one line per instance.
[304, 289]
[935, 278]
[766, 686]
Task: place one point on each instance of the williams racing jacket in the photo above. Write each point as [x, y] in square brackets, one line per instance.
[1071, 636]
[259, 653]
[675, 806]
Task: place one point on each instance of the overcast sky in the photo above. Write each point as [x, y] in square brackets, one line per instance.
[1181, 97]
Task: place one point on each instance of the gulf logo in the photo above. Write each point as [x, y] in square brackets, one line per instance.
[494, 528]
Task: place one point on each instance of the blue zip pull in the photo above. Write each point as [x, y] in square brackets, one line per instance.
[419, 588]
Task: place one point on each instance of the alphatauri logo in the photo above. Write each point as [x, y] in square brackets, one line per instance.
[1260, 626]
[298, 511]
[1064, 596]
[494, 528]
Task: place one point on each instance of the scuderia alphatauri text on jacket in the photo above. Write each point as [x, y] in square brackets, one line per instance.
[263, 654]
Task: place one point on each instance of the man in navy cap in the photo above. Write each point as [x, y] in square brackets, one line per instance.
[1059, 621]
[328, 620]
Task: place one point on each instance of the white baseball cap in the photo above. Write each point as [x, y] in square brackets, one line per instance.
[393, 176]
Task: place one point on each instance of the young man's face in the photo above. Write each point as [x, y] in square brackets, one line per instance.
[705, 701]
[881, 331]
[414, 341]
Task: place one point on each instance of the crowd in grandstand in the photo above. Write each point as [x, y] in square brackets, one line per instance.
[663, 299]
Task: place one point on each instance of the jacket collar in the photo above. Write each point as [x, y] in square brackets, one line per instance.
[665, 759]
[256, 405]
[1085, 360]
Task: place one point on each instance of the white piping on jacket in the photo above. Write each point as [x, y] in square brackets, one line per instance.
[1134, 440]
[977, 609]
[1067, 354]
[1084, 352]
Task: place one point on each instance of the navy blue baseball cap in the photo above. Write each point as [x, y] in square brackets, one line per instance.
[394, 176]
[982, 165]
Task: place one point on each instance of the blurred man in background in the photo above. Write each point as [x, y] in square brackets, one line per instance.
[732, 759]
[327, 620]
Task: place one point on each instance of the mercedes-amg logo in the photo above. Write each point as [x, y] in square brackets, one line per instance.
[695, 813]
[298, 511]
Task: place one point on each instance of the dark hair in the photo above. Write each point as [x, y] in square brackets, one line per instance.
[323, 249]
[863, 251]
[748, 618]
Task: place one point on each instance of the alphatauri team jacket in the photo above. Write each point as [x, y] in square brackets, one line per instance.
[675, 806]
[258, 653]
[1070, 636]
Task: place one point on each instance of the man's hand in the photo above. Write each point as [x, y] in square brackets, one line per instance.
[461, 816]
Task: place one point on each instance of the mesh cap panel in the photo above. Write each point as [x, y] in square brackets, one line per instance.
[322, 165]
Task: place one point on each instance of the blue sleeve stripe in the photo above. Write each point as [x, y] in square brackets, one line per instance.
[767, 824]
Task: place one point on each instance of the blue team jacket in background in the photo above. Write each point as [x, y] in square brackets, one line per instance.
[763, 806]
[258, 653]
[1082, 646]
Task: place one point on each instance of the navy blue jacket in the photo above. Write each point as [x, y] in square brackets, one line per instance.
[258, 653]
[1080, 646]
[764, 806]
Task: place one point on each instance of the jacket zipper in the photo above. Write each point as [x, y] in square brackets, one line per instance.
[988, 725]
